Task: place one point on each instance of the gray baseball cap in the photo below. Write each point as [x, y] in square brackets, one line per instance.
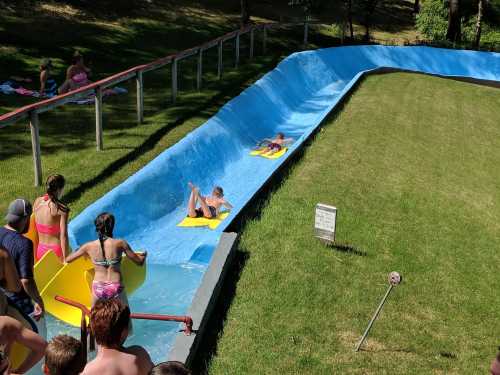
[18, 209]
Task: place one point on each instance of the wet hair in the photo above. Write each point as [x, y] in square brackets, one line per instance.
[55, 183]
[218, 191]
[109, 318]
[64, 356]
[104, 225]
[170, 368]
[280, 135]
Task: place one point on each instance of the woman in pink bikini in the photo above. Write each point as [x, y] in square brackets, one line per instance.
[51, 220]
[76, 75]
[106, 254]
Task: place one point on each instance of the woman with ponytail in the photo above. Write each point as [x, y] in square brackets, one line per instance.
[106, 254]
[51, 219]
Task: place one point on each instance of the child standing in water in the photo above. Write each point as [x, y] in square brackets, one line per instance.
[209, 206]
[106, 255]
[274, 145]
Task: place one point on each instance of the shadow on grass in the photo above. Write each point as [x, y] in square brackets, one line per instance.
[347, 248]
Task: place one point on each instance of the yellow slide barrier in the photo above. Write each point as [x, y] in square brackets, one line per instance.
[74, 281]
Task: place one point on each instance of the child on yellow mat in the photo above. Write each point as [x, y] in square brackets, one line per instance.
[275, 145]
[209, 206]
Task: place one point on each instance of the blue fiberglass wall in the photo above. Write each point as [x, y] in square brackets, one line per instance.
[293, 98]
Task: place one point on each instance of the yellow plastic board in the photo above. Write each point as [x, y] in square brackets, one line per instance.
[46, 268]
[32, 234]
[267, 154]
[74, 281]
[203, 221]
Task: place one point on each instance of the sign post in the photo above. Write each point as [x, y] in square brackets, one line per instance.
[325, 222]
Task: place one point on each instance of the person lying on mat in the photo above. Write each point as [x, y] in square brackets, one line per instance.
[106, 255]
[276, 144]
[209, 206]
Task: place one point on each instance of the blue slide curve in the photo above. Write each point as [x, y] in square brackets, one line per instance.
[293, 98]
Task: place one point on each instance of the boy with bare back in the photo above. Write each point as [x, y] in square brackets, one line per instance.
[209, 206]
[109, 322]
[275, 145]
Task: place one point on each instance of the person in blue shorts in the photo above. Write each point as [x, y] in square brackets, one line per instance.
[20, 250]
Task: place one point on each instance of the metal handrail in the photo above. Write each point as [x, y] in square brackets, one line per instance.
[45, 105]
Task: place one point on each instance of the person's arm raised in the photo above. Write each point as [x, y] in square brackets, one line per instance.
[138, 259]
[77, 254]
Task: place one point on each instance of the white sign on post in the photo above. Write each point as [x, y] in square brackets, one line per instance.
[325, 222]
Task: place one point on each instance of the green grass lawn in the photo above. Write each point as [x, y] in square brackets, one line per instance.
[411, 162]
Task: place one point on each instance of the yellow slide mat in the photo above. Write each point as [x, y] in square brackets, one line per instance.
[74, 281]
[266, 154]
[203, 221]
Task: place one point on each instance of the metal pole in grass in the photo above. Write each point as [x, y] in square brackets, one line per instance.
[174, 80]
[35, 145]
[140, 97]
[394, 279]
[98, 118]
[237, 50]
[200, 69]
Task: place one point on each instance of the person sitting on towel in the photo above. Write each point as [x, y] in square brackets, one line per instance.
[76, 75]
[48, 86]
[274, 145]
[209, 206]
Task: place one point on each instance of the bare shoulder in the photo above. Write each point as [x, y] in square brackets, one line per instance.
[141, 354]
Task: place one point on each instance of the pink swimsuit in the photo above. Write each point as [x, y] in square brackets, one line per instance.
[107, 289]
[51, 230]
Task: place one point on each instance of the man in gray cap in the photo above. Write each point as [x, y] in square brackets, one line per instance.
[21, 251]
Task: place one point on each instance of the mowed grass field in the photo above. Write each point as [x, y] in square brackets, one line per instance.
[411, 162]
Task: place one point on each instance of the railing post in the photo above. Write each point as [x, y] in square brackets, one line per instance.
[306, 33]
[251, 43]
[219, 63]
[264, 40]
[140, 97]
[35, 145]
[237, 49]
[98, 118]
[174, 80]
[199, 72]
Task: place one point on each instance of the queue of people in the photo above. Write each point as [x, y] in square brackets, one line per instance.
[21, 305]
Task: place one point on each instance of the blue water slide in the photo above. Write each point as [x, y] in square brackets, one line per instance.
[293, 98]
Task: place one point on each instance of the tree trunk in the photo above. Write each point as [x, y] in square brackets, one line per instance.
[454, 23]
[349, 18]
[370, 6]
[245, 12]
[479, 21]
[416, 6]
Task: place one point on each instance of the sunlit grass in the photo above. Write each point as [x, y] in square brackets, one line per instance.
[415, 180]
